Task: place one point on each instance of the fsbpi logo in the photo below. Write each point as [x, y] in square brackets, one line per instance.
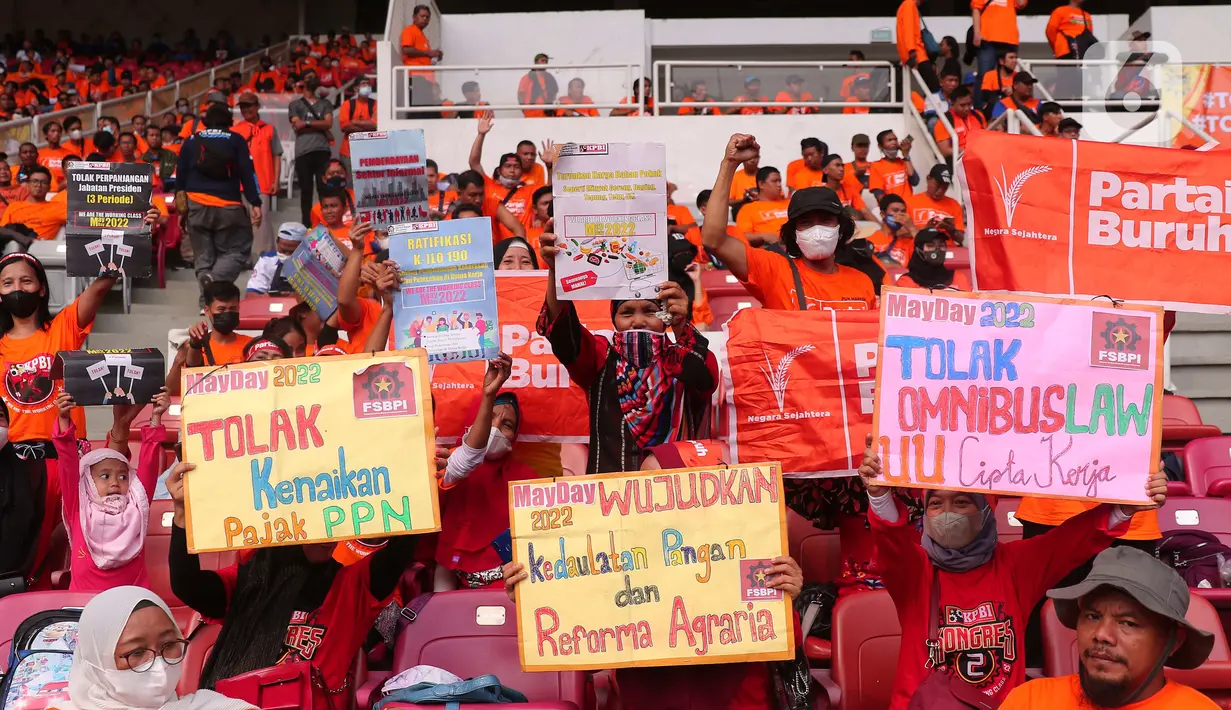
[1120, 341]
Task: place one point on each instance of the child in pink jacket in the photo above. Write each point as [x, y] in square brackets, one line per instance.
[106, 506]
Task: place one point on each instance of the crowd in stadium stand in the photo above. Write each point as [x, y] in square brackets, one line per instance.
[819, 234]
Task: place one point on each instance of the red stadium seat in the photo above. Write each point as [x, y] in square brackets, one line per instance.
[171, 420]
[1207, 461]
[819, 556]
[723, 307]
[866, 639]
[958, 258]
[157, 547]
[718, 282]
[1212, 515]
[200, 645]
[1182, 423]
[255, 311]
[473, 632]
[16, 608]
[1213, 677]
[1008, 527]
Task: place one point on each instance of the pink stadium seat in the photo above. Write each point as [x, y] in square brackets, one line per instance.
[718, 282]
[1182, 423]
[724, 307]
[157, 547]
[1213, 677]
[473, 632]
[866, 639]
[16, 608]
[1207, 464]
[255, 311]
[959, 258]
[1008, 527]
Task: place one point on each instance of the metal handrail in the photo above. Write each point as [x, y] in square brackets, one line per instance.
[1028, 64]
[401, 72]
[907, 87]
[668, 67]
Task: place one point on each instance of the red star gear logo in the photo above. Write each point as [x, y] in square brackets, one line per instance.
[1120, 341]
[385, 390]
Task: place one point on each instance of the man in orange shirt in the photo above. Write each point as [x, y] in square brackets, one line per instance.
[744, 183]
[807, 171]
[998, 84]
[538, 87]
[472, 193]
[438, 201]
[416, 51]
[532, 172]
[963, 117]
[50, 155]
[856, 72]
[577, 97]
[892, 175]
[1022, 98]
[895, 240]
[752, 93]
[848, 189]
[357, 115]
[333, 207]
[861, 145]
[44, 217]
[934, 204]
[794, 92]
[266, 150]
[760, 220]
[1070, 31]
[861, 93]
[994, 33]
[213, 341]
[911, 49]
[643, 95]
[699, 95]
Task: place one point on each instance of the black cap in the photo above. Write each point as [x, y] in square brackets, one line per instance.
[1022, 77]
[861, 139]
[1066, 123]
[813, 199]
[924, 236]
[940, 173]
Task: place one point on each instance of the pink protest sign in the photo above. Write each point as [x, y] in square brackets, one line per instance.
[1017, 395]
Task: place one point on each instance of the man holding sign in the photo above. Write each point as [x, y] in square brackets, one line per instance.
[977, 396]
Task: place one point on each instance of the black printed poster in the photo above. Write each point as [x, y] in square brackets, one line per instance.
[110, 376]
[106, 234]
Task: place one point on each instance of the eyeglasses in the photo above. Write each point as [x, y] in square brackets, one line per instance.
[142, 659]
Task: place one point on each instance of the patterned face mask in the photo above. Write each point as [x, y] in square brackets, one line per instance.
[639, 348]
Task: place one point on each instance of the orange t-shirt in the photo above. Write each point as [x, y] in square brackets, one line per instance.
[579, 111]
[45, 218]
[536, 177]
[693, 235]
[701, 110]
[960, 281]
[762, 217]
[850, 192]
[29, 392]
[1054, 511]
[890, 176]
[518, 205]
[750, 110]
[51, 158]
[797, 110]
[362, 112]
[683, 215]
[963, 126]
[855, 109]
[848, 84]
[442, 201]
[357, 333]
[412, 36]
[208, 200]
[1066, 22]
[923, 208]
[770, 281]
[792, 168]
[910, 32]
[1065, 693]
[805, 177]
[228, 353]
[318, 217]
[998, 21]
[741, 183]
[997, 82]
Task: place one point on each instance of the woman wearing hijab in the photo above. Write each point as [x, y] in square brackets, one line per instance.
[474, 486]
[128, 657]
[21, 484]
[106, 506]
[514, 254]
[975, 650]
[926, 268]
[643, 389]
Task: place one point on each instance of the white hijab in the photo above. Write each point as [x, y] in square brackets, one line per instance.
[98, 634]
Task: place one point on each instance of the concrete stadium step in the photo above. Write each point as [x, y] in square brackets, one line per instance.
[1206, 347]
[1201, 364]
[1201, 322]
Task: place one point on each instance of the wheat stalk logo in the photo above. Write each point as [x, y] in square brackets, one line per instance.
[1011, 193]
[778, 377]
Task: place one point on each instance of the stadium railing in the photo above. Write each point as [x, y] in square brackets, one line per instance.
[822, 79]
[449, 78]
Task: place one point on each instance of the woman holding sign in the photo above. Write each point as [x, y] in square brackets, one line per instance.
[977, 650]
[643, 389]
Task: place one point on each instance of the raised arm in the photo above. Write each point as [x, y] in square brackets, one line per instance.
[349, 310]
[730, 251]
[201, 590]
[476, 148]
[506, 218]
[469, 455]
[378, 339]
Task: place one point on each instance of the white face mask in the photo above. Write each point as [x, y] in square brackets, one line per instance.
[952, 530]
[108, 128]
[890, 153]
[818, 241]
[498, 445]
[75, 134]
[383, 242]
[151, 689]
[365, 91]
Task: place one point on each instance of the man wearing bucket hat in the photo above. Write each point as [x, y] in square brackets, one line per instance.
[1129, 617]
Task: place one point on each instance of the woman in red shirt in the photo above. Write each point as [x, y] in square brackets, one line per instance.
[985, 588]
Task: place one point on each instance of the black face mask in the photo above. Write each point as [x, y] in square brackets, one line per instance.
[313, 84]
[21, 304]
[860, 247]
[934, 257]
[226, 322]
[336, 182]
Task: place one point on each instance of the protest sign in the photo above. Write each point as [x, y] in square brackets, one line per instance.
[390, 177]
[654, 568]
[313, 269]
[805, 377]
[610, 206]
[1046, 397]
[105, 233]
[110, 376]
[292, 452]
[553, 407]
[446, 303]
[1087, 219]
[1205, 104]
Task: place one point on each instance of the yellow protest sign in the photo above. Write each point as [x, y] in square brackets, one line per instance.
[651, 569]
[290, 452]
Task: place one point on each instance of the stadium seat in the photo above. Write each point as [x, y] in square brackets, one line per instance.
[1212, 515]
[719, 282]
[474, 632]
[171, 420]
[1207, 464]
[1008, 527]
[1213, 677]
[866, 639]
[16, 608]
[819, 556]
[157, 546]
[723, 307]
[1182, 423]
[958, 258]
[255, 311]
[200, 644]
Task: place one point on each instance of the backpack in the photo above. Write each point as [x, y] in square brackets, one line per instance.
[40, 660]
[1196, 555]
[215, 159]
[480, 689]
[819, 599]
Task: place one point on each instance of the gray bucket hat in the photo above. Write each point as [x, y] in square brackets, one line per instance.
[1153, 584]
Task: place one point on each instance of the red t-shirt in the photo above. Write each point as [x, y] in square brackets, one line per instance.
[983, 627]
[330, 636]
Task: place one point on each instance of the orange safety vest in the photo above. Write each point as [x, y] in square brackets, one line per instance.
[355, 110]
[259, 137]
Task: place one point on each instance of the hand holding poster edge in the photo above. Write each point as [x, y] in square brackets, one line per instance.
[882, 443]
[423, 397]
[786, 601]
